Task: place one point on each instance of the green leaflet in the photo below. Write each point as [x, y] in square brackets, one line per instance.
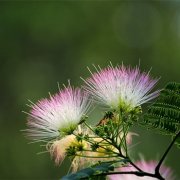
[164, 115]
[88, 173]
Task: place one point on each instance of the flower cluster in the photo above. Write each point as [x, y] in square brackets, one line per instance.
[60, 120]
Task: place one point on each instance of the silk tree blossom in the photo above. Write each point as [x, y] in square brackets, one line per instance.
[147, 166]
[91, 157]
[121, 87]
[58, 148]
[85, 156]
[60, 114]
[101, 154]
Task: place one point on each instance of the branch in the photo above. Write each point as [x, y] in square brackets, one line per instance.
[165, 154]
[135, 166]
[137, 173]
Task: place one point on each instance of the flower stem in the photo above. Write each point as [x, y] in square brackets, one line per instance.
[95, 156]
[92, 142]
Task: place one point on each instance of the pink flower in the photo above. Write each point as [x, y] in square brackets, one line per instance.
[58, 148]
[147, 166]
[121, 87]
[59, 114]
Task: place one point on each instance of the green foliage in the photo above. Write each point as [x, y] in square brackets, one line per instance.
[93, 171]
[89, 172]
[178, 142]
[164, 115]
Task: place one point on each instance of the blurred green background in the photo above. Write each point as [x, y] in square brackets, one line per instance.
[45, 42]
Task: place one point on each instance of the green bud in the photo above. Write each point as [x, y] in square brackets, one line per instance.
[94, 146]
[71, 151]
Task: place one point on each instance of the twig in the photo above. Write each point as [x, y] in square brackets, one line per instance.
[137, 173]
[165, 154]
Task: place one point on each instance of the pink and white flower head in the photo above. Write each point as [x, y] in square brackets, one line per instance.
[147, 166]
[121, 86]
[60, 114]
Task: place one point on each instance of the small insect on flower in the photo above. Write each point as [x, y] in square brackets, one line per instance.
[58, 115]
[121, 87]
[105, 119]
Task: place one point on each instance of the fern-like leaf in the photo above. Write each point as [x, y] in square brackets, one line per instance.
[164, 115]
